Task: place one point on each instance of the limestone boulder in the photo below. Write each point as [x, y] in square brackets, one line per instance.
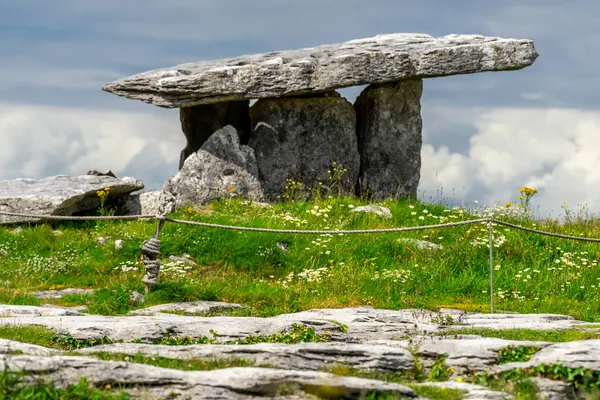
[62, 195]
[222, 168]
[375, 60]
[300, 138]
[389, 139]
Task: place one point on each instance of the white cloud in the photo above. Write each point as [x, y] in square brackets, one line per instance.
[39, 141]
[556, 151]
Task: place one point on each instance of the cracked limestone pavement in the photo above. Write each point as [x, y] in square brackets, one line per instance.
[382, 342]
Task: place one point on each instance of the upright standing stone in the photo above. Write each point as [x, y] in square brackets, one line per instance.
[300, 138]
[389, 139]
[200, 122]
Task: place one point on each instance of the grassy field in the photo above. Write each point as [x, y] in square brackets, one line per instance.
[533, 273]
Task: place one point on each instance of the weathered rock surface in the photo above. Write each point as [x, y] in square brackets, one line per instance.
[145, 203]
[363, 324]
[471, 354]
[381, 59]
[9, 310]
[300, 138]
[200, 122]
[388, 127]
[420, 244]
[149, 202]
[229, 383]
[549, 389]
[221, 168]
[60, 195]
[583, 353]
[191, 308]
[377, 210]
[14, 347]
[58, 294]
[472, 392]
[303, 356]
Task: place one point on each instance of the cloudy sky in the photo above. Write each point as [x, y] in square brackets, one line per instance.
[485, 135]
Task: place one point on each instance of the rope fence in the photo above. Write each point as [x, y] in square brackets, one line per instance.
[151, 248]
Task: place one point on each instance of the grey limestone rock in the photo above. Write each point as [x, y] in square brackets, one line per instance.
[14, 347]
[302, 356]
[380, 59]
[223, 167]
[58, 294]
[420, 244]
[60, 195]
[582, 353]
[192, 308]
[377, 210]
[389, 128]
[363, 324]
[300, 138]
[229, 383]
[470, 354]
[549, 389]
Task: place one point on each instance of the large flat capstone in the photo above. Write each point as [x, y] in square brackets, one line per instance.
[380, 59]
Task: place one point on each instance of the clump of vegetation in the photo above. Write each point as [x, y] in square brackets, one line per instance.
[516, 354]
[440, 371]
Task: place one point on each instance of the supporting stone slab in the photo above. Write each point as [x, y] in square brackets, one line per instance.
[199, 122]
[389, 129]
[300, 138]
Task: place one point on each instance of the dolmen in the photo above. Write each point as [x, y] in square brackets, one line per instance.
[299, 128]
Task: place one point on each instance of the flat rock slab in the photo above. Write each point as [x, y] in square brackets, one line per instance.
[13, 347]
[191, 308]
[380, 59]
[361, 324]
[229, 383]
[59, 195]
[59, 294]
[472, 392]
[583, 353]
[9, 310]
[474, 354]
[303, 356]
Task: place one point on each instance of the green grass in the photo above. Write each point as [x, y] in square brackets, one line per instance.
[436, 393]
[185, 365]
[516, 354]
[534, 274]
[32, 334]
[566, 335]
[19, 386]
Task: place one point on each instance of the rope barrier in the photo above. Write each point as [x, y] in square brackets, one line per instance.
[326, 232]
